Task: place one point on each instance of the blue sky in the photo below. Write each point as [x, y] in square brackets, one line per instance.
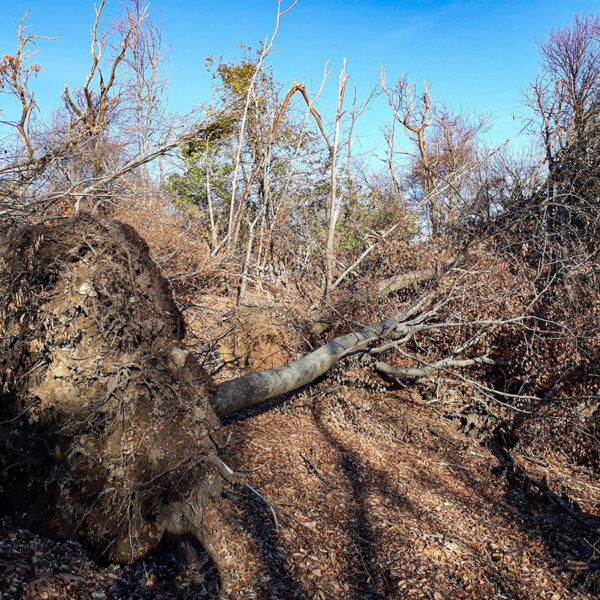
[478, 55]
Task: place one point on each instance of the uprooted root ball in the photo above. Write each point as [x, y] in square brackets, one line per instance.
[106, 432]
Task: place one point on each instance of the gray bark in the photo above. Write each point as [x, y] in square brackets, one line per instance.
[236, 394]
[383, 367]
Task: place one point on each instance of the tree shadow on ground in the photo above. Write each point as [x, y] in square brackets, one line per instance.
[474, 496]
[284, 402]
[369, 574]
[571, 536]
[256, 410]
[278, 579]
[156, 574]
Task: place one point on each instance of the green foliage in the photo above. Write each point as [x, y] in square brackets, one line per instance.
[232, 82]
[208, 162]
[205, 165]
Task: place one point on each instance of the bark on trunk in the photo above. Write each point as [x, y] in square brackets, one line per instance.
[253, 388]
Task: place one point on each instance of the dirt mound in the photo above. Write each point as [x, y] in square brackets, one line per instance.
[106, 431]
[258, 338]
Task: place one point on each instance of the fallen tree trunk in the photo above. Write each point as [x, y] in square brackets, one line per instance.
[236, 394]
[251, 389]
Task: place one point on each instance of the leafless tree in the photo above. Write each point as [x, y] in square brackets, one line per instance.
[444, 156]
[333, 207]
[86, 144]
[268, 45]
[564, 98]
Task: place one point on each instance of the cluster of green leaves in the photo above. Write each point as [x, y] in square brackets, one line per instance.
[206, 157]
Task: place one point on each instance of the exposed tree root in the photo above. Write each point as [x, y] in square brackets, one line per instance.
[106, 432]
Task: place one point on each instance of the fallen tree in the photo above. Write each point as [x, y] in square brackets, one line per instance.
[253, 388]
[109, 429]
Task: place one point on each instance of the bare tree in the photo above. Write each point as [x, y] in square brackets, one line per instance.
[414, 115]
[89, 147]
[445, 156]
[564, 98]
[268, 45]
[334, 207]
[21, 163]
[144, 89]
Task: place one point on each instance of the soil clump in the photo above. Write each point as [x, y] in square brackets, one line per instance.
[106, 431]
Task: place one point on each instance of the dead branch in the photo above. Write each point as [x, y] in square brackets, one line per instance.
[388, 369]
[382, 289]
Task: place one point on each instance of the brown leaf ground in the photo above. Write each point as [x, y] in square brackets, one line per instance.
[379, 491]
[382, 494]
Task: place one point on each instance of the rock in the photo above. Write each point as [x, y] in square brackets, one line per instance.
[178, 356]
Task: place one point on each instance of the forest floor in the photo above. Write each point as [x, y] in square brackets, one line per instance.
[374, 491]
[357, 488]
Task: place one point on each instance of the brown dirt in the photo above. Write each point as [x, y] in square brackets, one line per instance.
[257, 339]
[105, 425]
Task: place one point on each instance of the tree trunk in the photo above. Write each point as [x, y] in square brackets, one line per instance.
[251, 389]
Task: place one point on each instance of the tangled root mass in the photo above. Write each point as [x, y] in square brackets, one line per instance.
[106, 433]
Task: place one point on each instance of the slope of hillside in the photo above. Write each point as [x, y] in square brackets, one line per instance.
[355, 487]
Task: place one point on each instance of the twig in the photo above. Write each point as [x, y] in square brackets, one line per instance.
[230, 471]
